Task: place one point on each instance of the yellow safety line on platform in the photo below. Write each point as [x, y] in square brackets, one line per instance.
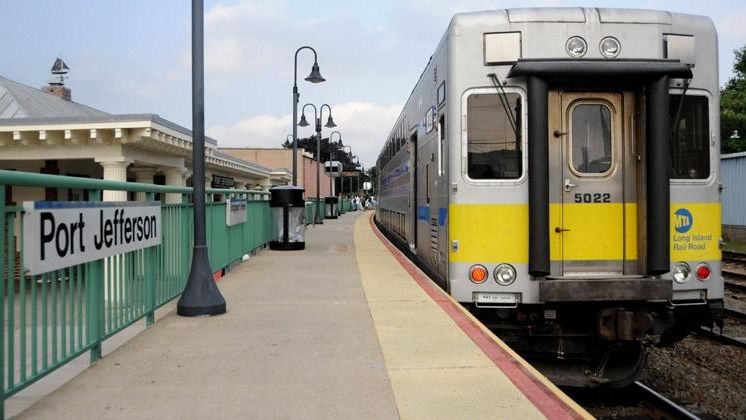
[436, 371]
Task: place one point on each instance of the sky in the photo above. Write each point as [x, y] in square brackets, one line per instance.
[134, 57]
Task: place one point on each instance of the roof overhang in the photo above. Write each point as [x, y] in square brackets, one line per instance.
[641, 70]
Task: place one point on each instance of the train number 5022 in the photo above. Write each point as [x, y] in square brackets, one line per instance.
[593, 198]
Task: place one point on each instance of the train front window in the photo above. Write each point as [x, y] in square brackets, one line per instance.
[493, 137]
[591, 138]
[690, 145]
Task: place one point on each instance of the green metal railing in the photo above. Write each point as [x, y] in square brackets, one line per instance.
[50, 319]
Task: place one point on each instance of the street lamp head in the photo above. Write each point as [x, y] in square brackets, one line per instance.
[330, 123]
[303, 122]
[315, 76]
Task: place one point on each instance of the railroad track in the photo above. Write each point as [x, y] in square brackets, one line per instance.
[734, 257]
[661, 406]
[641, 399]
[734, 285]
[735, 314]
[721, 338]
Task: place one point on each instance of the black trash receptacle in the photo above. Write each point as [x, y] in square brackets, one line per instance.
[332, 207]
[288, 218]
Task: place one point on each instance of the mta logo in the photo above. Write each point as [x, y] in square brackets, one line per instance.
[684, 220]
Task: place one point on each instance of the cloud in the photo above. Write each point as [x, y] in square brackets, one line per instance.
[364, 127]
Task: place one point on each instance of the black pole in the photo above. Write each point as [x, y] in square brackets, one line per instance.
[538, 177]
[658, 175]
[201, 295]
[318, 219]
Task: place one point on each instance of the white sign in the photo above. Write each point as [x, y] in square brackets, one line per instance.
[235, 211]
[367, 185]
[59, 234]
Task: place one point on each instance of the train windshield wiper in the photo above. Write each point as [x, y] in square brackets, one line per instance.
[674, 138]
[505, 103]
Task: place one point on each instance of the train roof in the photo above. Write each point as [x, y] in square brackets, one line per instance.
[577, 15]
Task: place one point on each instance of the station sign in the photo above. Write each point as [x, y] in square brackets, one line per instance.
[59, 234]
[222, 182]
[235, 211]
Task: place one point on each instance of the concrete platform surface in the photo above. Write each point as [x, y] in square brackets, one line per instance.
[343, 329]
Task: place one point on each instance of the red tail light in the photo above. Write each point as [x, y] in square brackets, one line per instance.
[703, 272]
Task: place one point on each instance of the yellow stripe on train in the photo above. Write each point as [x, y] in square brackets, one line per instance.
[499, 232]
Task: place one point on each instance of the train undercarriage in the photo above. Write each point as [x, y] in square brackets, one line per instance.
[592, 345]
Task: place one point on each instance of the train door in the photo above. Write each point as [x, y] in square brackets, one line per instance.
[597, 216]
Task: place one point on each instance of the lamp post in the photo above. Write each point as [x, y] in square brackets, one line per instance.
[200, 296]
[331, 160]
[349, 153]
[357, 178]
[314, 77]
[362, 174]
[317, 220]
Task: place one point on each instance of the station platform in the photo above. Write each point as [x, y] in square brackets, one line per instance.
[347, 328]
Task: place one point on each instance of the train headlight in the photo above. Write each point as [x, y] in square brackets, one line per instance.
[703, 272]
[681, 272]
[610, 47]
[505, 274]
[576, 47]
[478, 274]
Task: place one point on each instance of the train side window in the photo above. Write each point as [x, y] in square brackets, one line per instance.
[493, 137]
[690, 139]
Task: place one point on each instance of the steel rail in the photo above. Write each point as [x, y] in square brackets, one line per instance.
[722, 338]
[662, 403]
[735, 314]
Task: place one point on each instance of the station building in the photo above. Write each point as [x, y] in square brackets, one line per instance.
[283, 158]
[44, 131]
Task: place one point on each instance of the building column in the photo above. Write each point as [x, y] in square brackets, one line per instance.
[115, 267]
[115, 171]
[175, 177]
[144, 175]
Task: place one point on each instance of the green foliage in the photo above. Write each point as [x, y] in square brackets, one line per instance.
[733, 107]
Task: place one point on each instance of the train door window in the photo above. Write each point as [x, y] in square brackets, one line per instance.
[494, 136]
[690, 140]
[591, 138]
[441, 143]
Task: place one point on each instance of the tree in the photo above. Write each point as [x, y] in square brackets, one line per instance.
[733, 108]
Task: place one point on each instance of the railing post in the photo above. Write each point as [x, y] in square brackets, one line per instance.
[149, 274]
[185, 217]
[95, 292]
[3, 363]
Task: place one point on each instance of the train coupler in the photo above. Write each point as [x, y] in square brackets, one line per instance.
[624, 325]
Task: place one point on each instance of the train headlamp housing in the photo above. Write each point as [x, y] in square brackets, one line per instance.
[478, 274]
[576, 47]
[681, 272]
[610, 47]
[505, 274]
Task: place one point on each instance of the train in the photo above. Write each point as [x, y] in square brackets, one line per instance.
[555, 170]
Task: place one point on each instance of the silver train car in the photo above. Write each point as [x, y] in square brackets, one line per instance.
[556, 171]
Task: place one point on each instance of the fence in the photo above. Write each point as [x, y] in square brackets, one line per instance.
[52, 318]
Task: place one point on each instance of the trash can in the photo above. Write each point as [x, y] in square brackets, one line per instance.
[288, 211]
[332, 210]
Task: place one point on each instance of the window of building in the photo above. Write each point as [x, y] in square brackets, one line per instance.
[690, 137]
[494, 136]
